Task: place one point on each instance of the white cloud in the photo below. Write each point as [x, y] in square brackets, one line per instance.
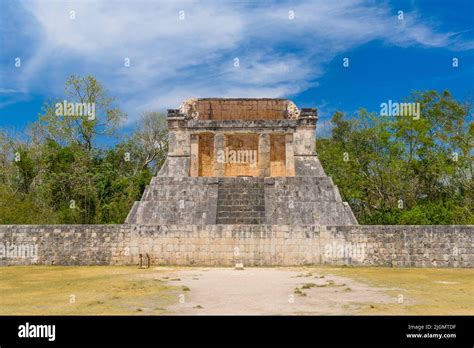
[174, 59]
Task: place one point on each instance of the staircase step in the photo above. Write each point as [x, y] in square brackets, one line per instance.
[241, 201]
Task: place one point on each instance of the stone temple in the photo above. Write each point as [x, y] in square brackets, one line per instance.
[241, 161]
[242, 184]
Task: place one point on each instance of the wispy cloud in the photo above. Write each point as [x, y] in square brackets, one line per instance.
[173, 59]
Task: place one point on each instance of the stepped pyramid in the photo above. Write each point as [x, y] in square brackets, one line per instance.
[241, 161]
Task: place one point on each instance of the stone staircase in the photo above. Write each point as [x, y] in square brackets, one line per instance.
[241, 200]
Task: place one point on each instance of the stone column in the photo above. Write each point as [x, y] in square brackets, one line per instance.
[194, 168]
[219, 145]
[289, 155]
[264, 154]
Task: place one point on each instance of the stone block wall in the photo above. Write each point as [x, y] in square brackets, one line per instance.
[402, 246]
[241, 109]
[206, 155]
[177, 200]
[276, 245]
[223, 245]
[176, 166]
[244, 149]
[64, 244]
[305, 201]
[308, 166]
[278, 154]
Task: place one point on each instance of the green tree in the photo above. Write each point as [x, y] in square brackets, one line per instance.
[402, 170]
[64, 176]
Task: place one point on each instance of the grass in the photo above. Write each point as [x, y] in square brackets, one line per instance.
[426, 291]
[102, 290]
[329, 283]
[308, 286]
[299, 292]
[41, 290]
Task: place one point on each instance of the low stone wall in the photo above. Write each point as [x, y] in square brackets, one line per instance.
[64, 244]
[224, 245]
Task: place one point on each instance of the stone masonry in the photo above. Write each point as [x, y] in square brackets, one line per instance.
[225, 245]
[242, 183]
[277, 179]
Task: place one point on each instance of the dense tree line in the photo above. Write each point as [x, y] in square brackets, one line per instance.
[405, 170]
[58, 173]
[391, 170]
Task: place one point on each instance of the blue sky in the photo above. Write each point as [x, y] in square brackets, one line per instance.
[172, 59]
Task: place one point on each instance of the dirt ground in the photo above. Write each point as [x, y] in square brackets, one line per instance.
[271, 291]
[100, 290]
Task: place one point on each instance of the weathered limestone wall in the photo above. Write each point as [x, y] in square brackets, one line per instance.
[190, 153]
[305, 201]
[64, 244]
[241, 109]
[245, 151]
[178, 161]
[177, 200]
[272, 245]
[254, 245]
[278, 155]
[206, 154]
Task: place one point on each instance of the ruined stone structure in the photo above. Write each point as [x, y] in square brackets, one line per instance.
[242, 184]
[241, 161]
[225, 245]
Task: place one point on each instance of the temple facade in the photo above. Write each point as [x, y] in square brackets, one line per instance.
[241, 161]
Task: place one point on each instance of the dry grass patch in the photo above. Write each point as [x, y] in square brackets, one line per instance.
[99, 290]
[429, 291]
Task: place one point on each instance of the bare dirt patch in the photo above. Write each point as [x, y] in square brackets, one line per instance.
[271, 291]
